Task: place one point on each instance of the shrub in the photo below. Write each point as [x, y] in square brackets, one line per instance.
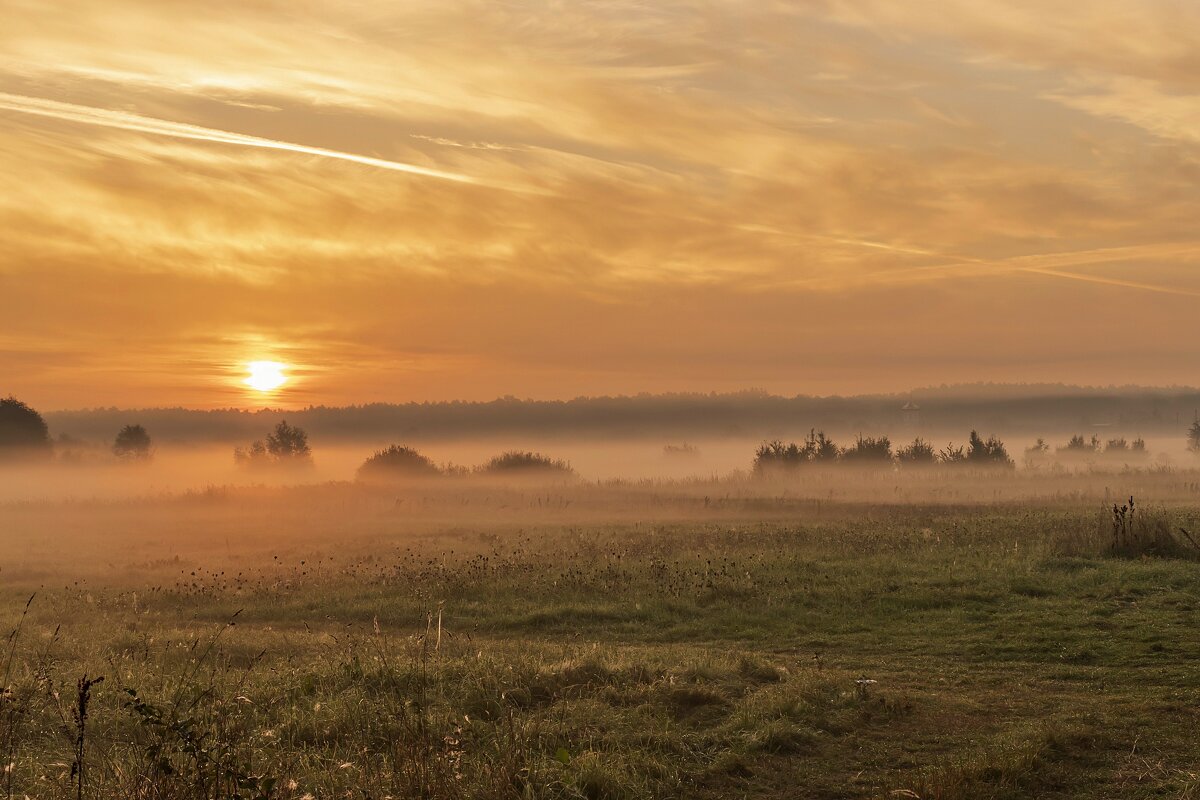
[132, 442]
[919, 452]
[775, 456]
[525, 462]
[396, 462]
[22, 430]
[869, 450]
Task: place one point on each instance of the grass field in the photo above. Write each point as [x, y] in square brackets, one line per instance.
[704, 640]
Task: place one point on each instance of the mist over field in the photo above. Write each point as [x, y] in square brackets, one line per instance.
[599, 400]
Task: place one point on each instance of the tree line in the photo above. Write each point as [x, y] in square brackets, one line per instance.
[817, 448]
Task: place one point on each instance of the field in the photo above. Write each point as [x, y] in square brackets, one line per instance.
[837, 636]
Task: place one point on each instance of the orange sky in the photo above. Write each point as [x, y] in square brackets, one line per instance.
[466, 199]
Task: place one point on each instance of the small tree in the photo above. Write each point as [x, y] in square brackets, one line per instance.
[22, 430]
[288, 443]
[132, 442]
[1193, 437]
[822, 447]
[990, 451]
[952, 454]
[285, 445]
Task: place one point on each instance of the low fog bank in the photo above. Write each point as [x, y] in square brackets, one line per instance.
[222, 530]
[91, 471]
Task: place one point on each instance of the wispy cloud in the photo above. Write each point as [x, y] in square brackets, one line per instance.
[122, 120]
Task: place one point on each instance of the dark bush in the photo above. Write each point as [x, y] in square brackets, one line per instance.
[525, 462]
[869, 450]
[397, 462]
[919, 452]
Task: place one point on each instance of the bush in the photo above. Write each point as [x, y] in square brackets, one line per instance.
[22, 430]
[869, 450]
[397, 462]
[776, 456]
[525, 462]
[919, 452]
[132, 442]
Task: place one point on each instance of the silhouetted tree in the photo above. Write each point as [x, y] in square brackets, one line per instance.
[288, 443]
[285, 445]
[988, 451]
[132, 442]
[1193, 437]
[22, 430]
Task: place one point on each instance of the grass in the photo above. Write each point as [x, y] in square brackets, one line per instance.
[532, 644]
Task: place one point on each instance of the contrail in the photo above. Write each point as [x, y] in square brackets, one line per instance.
[1146, 287]
[122, 120]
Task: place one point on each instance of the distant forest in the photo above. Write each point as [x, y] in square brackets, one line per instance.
[1014, 410]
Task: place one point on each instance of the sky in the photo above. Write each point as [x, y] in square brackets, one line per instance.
[463, 199]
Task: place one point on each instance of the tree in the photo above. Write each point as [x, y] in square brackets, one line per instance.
[22, 430]
[286, 445]
[1193, 437]
[132, 442]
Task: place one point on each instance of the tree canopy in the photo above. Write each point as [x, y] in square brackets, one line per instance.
[22, 430]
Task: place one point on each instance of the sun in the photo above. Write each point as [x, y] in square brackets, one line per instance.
[265, 376]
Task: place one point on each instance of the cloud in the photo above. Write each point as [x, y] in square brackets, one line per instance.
[121, 120]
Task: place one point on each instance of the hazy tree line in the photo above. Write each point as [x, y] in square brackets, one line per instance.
[817, 448]
[1013, 409]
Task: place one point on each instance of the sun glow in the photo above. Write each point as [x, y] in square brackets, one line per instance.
[265, 376]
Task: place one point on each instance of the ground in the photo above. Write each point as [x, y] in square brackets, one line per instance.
[698, 640]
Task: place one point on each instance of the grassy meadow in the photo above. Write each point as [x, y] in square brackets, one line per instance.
[840, 635]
